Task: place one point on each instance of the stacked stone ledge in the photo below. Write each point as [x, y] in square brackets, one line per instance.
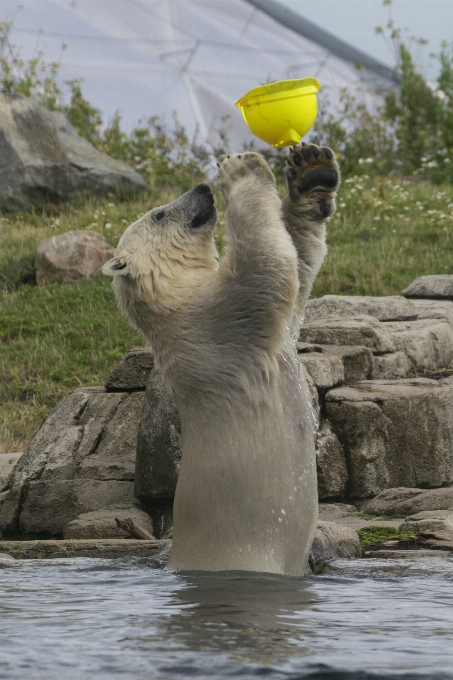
[378, 371]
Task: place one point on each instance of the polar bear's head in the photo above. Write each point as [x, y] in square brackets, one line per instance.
[164, 257]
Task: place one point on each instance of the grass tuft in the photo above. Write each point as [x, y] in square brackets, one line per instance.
[374, 535]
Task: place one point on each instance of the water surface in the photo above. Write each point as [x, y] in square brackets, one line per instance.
[129, 618]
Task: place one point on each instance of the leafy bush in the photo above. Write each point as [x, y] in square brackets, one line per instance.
[410, 133]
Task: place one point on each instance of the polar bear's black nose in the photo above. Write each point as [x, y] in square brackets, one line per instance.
[203, 189]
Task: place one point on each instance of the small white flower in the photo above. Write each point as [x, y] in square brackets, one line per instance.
[111, 205]
[394, 231]
[108, 225]
[124, 221]
[342, 205]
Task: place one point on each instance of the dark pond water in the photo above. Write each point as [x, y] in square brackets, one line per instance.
[104, 619]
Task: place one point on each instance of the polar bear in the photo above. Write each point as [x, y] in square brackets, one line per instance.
[224, 336]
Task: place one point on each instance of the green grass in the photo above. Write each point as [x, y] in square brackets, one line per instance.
[56, 338]
[386, 233]
[378, 534]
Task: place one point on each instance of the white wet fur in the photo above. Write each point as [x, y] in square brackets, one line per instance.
[224, 337]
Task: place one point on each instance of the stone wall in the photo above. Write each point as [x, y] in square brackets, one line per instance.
[379, 374]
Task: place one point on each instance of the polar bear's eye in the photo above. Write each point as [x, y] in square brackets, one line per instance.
[159, 216]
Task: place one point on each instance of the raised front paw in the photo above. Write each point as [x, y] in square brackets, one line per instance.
[240, 167]
[313, 177]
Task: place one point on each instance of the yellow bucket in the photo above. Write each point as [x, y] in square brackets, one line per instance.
[281, 113]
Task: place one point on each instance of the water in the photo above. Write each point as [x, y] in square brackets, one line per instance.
[129, 618]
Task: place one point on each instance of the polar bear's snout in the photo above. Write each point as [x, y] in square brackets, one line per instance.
[202, 201]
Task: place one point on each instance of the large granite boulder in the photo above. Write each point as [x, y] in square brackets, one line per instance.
[357, 361]
[391, 366]
[434, 309]
[7, 463]
[390, 308]
[434, 520]
[331, 465]
[427, 343]
[394, 433]
[133, 371]
[71, 256]
[409, 501]
[101, 523]
[333, 541]
[365, 331]
[436, 286]
[42, 158]
[325, 370]
[82, 459]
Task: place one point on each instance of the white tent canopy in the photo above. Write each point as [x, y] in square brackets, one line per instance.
[196, 57]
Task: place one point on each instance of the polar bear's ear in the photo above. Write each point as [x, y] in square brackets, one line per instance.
[115, 267]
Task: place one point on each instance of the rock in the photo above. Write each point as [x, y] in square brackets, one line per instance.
[101, 523]
[332, 511]
[405, 554]
[333, 541]
[158, 454]
[330, 464]
[434, 309]
[106, 548]
[391, 366]
[71, 256]
[49, 506]
[314, 398]
[114, 457]
[82, 459]
[357, 361]
[427, 343]
[6, 560]
[394, 433]
[391, 308]
[326, 371]
[132, 373]
[431, 514]
[365, 331]
[7, 463]
[436, 286]
[44, 159]
[409, 501]
[419, 526]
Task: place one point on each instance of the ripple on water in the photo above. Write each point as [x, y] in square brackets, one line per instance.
[364, 620]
